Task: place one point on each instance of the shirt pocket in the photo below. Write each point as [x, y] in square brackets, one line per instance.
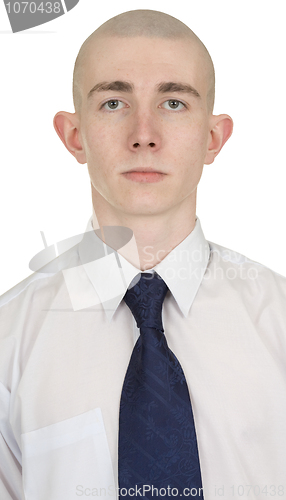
[68, 459]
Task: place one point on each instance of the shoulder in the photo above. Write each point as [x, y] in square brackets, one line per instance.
[26, 308]
[248, 297]
[32, 297]
[237, 265]
[247, 282]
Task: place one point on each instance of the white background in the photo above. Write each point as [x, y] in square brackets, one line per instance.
[241, 201]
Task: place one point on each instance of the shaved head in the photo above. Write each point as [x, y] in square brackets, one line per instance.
[141, 23]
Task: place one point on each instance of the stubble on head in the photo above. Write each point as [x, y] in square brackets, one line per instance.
[141, 23]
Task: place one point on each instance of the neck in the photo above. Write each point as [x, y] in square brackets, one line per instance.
[155, 235]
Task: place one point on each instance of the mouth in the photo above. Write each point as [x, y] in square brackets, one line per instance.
[143, 170]
[144, 175]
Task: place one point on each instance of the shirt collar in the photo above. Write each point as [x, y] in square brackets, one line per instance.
[110, 273]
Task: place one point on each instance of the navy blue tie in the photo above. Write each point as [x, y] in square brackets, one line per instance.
[158, 453]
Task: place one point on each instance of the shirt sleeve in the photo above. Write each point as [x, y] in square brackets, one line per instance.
[10, 467]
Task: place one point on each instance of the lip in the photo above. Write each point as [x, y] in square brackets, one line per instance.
[145, 170]
[144, 176]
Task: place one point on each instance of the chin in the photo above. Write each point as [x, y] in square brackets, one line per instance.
[144, 209]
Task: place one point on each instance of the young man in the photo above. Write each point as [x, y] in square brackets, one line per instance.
[143, 123]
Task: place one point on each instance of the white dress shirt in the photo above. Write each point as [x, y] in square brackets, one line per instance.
[65, 343]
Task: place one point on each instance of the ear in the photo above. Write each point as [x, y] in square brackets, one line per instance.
[221, 130]
[67, 128]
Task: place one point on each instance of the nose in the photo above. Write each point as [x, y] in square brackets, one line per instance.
[145, 133]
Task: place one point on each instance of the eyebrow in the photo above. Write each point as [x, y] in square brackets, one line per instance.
[117, 86]
[162, 88]
[165, 87]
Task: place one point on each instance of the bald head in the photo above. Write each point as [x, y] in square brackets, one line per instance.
[141, 23]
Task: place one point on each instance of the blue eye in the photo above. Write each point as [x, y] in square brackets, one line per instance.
[173, 104]
[113, 104]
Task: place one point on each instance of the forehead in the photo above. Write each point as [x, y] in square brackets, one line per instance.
[144, 61]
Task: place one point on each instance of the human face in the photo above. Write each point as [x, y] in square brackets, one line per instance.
[144, 125]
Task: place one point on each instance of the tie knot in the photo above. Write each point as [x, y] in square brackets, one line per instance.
[145, 300]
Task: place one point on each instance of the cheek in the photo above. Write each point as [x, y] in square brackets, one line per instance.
[191, 145]
[99, 145]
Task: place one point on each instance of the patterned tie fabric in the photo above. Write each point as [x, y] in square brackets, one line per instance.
[158, 454]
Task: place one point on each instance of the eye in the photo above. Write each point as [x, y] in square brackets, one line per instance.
[173, 104]
[113, 104]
